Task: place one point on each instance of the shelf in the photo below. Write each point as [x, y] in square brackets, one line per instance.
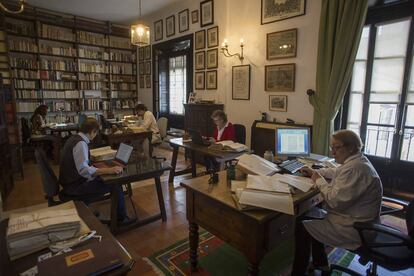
[23, 52]
[92, 45]
[59, 80]
[22, 68]
[62, 56]
[123, 74]
[15, 88]
[96, 59]
[20, 35]
[93, 73]
[58, 70]
[60, 89]
[128, 62]
[14, 78]
[94, 81]
[45, 99]
[57, 40]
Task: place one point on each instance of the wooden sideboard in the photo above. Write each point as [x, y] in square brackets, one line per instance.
[197, 116]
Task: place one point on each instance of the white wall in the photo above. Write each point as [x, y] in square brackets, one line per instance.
[241, 18]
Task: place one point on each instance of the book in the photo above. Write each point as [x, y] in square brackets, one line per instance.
[228, 145]
[254, 164]
[281, 202]
[103, 153]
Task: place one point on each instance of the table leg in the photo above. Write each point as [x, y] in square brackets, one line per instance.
[252, 269]
[193, 237]
[193, 164]
[160, 198]
[173, 164]
[114, 209]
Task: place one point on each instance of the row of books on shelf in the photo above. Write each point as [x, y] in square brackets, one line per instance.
[57, 75]
[93, 67]
[92, 38]
[122, 57]
[92, 77]
[123, 86]
[119, 78]
[53, 64]
[93, 85]
[68, 94]
[126, 103]
[15, 26]
[95, 104]
[121, 69]
[26, 74]
[23, 45]
[57, 50]
[123, 94]
[120, 42]
[24, 63]
[26, 84]
[56, 106]
[91, 53]
[46, 84]
[54, 32]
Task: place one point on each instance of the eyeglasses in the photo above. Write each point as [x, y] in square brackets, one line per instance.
[335, 147]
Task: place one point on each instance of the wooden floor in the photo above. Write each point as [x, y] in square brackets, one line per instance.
[141, 242]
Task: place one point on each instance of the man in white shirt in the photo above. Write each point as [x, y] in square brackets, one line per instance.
[353, 194]
[149, 122]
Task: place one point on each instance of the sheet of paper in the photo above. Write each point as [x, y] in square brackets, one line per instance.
[267, 183]
[302, 183]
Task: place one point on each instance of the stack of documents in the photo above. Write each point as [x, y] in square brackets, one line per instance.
[104, 153]
[33, 231]
[228, 145]
[254, 164]
[271, 192]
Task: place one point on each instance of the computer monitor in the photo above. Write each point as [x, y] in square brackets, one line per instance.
[292, 142]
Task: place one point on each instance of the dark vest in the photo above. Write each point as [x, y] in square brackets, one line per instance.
[69, 175]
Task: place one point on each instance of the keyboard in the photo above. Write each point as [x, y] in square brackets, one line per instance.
[292, 166]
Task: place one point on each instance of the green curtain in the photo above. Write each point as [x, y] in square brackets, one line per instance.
[340, 29]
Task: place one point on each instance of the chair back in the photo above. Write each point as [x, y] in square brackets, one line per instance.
[409, 218]
[105, 124]
[240, 133]
[49, 179]
[162, 126]
[81, 119]
[26, 133]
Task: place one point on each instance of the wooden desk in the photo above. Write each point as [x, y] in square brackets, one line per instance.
[193, 149]
[114, 139]
[66, 128]
[137, 171]
[16, 267]
[254, 233]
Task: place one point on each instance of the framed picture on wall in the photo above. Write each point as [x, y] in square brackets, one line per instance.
[211, 80]
[170, 25]
[200, 40]
[206, 13]
[241, 82]
[278, 103]
[281, 44]
[147, 51]
[140, 53]
[148, 68]
[147, 81]
[141, 82]
[280, 78]
[194, 16]
[141, 68]
[213, 37]
[183, 24]
[199, 80]
[273, 11]
[200, 58]
[212, 59]
[158, 33]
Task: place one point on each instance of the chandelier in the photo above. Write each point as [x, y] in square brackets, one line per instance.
[140, 33]
[16, 11]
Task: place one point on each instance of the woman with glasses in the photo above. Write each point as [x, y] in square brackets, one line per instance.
[352, 193]
[224, 129]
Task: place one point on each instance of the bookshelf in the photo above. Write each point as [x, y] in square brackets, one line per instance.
[72, 64]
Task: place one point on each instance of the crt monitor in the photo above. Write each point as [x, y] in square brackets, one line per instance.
[293, 142]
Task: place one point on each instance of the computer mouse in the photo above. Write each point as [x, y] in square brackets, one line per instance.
[317, 167]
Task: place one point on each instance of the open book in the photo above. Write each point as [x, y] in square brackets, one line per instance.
[104, 153]
[229, 146]
[254, 164]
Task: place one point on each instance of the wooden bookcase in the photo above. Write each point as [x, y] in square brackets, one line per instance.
[69, 63]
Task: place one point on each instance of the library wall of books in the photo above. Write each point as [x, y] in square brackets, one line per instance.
[73, 65]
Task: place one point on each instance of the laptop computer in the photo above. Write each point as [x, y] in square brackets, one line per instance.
[121, 159]
[196, 138]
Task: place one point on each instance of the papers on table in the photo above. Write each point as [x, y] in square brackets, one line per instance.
[254, 164]
[103, 153]
[228, 145]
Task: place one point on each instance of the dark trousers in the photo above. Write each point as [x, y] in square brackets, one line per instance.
[304, 245]
[91, 190]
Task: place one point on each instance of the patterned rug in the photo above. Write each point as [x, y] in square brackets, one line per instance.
[215, 257]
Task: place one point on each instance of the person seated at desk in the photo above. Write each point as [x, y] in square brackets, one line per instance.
[38, 120]
[148, 122]
[224, 131]
[78, 177]
[353, 194]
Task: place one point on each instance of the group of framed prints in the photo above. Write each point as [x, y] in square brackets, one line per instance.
[144, 57]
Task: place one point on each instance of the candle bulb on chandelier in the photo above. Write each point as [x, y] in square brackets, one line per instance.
[241, 42]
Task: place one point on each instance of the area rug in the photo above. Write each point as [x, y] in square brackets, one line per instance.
[215, 257]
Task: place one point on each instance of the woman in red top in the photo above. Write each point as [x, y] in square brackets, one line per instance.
[225, 129]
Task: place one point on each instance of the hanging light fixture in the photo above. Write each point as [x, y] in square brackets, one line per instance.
[140, 33]
[16, 11]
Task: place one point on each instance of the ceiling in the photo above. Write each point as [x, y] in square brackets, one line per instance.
[117, 11]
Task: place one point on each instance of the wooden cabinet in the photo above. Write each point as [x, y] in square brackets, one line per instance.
[197, 116]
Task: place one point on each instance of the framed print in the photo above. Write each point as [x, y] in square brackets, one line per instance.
[141, 53]
[212, 59]
[278, 103]
[281, 44]
[147, 81]
[183, 24]
[147, 52]
[206, 13]
[200, 40]
[280, 78]
[211, 80]
[194, 16]
[199, 80]
[213, 37]
[158, 34]
[148, 68]
[170, 26]
[192, 98]
[141, 68]
[282, 9]
[241, 82]
[200, 59]
[141, 82]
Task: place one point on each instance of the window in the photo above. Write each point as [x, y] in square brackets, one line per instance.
[381, 103]
[178, 82]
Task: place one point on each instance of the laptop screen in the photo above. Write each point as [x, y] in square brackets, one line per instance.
[124, 153]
